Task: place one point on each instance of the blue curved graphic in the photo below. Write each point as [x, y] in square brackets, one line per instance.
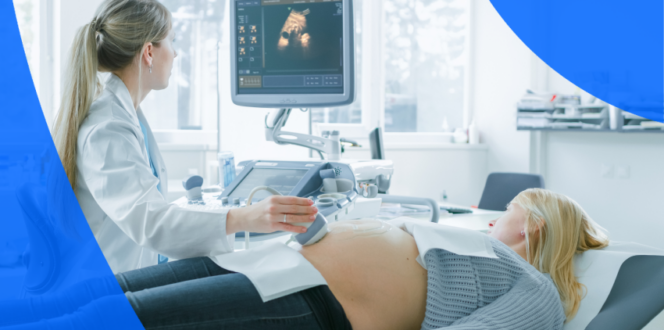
[612, 49]
[52, 272]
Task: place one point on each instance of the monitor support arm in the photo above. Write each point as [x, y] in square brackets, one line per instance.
[276, 119]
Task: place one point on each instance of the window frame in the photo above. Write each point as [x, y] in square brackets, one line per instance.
[373, 90]
[43, 71]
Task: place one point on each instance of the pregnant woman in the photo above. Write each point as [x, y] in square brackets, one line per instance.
[375, 282]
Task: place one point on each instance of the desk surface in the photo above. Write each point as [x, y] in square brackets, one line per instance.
[478, 220]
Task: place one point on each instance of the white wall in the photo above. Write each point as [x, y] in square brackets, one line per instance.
[73, 15]
[629, 207]
[70, 16]
[501, 76]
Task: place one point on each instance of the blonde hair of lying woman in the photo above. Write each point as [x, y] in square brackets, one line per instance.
[111, 42]
[556, 229]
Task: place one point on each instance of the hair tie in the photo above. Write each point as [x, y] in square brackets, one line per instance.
[94, 25]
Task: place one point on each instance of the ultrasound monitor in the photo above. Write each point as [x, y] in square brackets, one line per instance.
[292, 53]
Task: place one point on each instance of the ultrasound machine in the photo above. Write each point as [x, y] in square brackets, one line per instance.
[294, 54]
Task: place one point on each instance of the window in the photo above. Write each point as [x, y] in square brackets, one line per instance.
[423, 51]
[425, 63]
[350, 114]
[27, 15]
[191, 100]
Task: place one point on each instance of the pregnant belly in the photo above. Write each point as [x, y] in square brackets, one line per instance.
[370, 268]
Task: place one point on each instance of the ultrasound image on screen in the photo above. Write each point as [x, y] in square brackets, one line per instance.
[303, 37]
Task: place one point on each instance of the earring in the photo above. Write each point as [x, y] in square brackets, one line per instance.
[150, 68]
[523, 233]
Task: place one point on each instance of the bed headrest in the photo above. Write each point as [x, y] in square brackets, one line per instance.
[613, 272]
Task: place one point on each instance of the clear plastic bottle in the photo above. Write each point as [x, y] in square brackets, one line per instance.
[226, 168]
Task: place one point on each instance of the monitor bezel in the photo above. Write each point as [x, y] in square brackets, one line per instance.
[299, 100]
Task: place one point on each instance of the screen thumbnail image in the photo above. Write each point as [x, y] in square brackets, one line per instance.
[303, 37]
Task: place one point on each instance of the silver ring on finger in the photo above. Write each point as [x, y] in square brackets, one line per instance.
[285, 215]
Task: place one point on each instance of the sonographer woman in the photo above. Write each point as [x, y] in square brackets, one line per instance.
[112, 160]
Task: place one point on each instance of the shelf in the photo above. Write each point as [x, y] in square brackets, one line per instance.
[546, 121]
[425, 146]
[631, 116]
[577, 117]
[591, 130]
[562, 117]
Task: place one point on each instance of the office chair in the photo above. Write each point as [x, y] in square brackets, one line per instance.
[501, 188]
[637, 296]
[376, 144]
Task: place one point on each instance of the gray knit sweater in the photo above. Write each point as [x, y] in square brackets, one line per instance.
[466, 292]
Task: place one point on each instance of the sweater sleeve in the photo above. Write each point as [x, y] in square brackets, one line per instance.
[466, 292]
[517, 310]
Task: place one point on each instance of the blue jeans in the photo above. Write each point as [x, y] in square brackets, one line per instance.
[185, 294]
[196, 293]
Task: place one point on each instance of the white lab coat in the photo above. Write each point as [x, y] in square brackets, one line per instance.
[118, 192]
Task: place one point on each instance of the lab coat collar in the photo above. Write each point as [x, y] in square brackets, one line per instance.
[157, 160]
[116, 86]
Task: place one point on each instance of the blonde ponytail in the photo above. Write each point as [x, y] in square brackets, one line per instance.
[111, 42]
[80, 89]
[557, 229]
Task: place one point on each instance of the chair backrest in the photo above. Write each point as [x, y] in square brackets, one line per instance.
[376, 143]
[501, 188]
[637, 295]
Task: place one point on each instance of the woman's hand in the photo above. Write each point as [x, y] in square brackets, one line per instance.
[268, 215]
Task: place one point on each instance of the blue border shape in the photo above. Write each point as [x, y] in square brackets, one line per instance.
[52, 272]
[612, 49]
